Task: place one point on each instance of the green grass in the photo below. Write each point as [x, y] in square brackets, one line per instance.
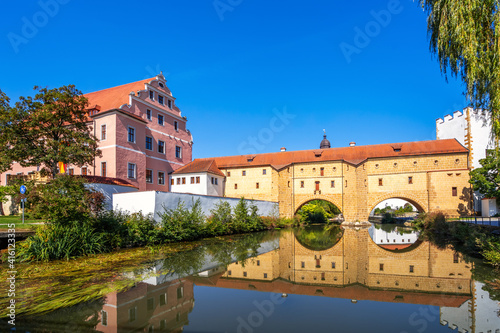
[5, 220]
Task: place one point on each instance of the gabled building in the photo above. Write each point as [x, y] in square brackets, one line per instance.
[199, 177]
[142, 135]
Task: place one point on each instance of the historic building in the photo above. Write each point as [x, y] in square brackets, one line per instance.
[141, 133]
[472, 128]
[431, 175]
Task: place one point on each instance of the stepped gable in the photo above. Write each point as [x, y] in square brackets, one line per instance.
[353, 155]
[200, 165]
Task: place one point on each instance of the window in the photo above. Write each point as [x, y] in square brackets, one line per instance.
[216, 181]
[264, 171]
[381, 267]
[71, 171]
[161, 147]
[410, 180]
[163, 299]
[149, 143]
[258, 262]
[169, 102]
[229, 173]
[332, 183]
[161, 178]
[212, 180]
[160, 120]
[176, 126]
[149, 115]
[131, 170]
[411, 268]
[235, 186]
[160, 99]
[317, 185]
[104, 318]
[172, 181]
[302, 184]
[150, 304]
[454, 191]
[322, 171]
[256, 185]
[265, 275]
[183, 180]
[84, 171]
[149, 176]
[103, 169]
[229, 272]
[192, 180]
[197, 180]
[302, 264]
[245, 274]
[152, 95]
[103, 132]
[346, 183]
[380, 182]
[243, 173]
[333, 265]
[178, 152]
[455, 258]
[132, 312]
[131, 134]
[178, 181]
[180, 292]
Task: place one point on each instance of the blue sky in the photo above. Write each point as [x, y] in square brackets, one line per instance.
[251, 76]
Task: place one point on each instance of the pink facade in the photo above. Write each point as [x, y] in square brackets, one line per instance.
[141, 132]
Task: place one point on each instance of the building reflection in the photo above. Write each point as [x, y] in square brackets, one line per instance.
[349, 263]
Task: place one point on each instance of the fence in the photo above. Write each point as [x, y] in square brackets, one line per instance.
[491, 221]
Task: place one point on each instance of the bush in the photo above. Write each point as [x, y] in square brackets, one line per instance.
[220, 222]
[55, 241]
[182, 224]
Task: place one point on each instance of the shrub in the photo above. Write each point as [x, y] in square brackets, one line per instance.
[55, 241]
[182, 224]
[220, 221]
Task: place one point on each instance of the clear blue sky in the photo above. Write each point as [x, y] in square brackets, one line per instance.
[230, 63]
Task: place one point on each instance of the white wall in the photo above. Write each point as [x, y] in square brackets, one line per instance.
[135, 202]
[108, 191]
[205, 187]
[489, 207]
[153, 202]
[480, 135]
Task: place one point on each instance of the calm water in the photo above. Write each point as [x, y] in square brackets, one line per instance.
[315, 279]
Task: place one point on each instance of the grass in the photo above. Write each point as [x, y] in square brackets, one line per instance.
[17, 220]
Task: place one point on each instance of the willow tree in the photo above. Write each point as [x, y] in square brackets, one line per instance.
[46, 129]
[465, 36]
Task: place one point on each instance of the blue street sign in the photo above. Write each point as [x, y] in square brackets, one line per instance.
[22, 189]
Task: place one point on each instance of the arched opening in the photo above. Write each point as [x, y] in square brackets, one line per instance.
[395, 210]
[319, 211]
[394, 237]
[318, 237]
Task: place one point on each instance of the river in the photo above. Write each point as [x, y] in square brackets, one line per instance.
[382, 278]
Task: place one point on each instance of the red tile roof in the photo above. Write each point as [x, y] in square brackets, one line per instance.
[113, 98]
[353, 155]
[200, 165]
[108, 181]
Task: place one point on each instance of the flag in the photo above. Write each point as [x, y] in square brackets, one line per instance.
[63, 167]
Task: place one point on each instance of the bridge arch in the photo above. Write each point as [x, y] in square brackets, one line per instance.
[418, 203]
[304, 201]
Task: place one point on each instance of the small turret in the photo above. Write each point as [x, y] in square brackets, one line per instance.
[324, 143]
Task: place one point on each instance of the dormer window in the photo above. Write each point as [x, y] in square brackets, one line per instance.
[160, 84]
[397, 148]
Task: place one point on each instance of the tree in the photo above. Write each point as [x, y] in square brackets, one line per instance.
[486, 179]
[7, 115]
[49, 128]
[465, 35]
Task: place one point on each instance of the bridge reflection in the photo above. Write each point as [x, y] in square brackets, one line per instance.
[350, 263]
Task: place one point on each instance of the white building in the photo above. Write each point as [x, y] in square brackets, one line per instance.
[198, 177]
[472, 128]
[394, 237]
